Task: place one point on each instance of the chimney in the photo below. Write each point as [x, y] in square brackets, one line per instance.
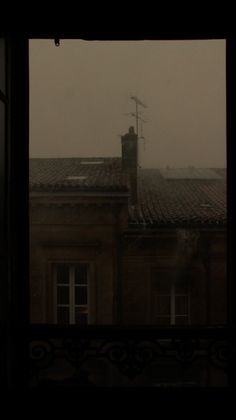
[129, 144]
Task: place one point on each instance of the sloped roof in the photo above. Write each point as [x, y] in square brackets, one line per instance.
[180, 200]
[76, 174]
[165, 196]
[189, 173]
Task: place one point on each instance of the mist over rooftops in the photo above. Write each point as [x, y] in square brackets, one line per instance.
[189, 173]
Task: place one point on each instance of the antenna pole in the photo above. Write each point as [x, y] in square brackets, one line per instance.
[137, 118]
[137, 102]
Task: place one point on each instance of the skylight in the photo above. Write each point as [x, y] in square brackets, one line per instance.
[92, 162]
[76, 178]
[205, 205]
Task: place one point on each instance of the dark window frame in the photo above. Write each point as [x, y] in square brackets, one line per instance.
[16, 265]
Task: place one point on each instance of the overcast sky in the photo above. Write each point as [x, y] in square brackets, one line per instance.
[80, 93]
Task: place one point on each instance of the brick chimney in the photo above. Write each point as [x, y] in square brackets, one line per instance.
[129, 143]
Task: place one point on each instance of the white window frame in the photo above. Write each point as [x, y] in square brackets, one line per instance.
[172, 296]
[173, 314]
[72, 285]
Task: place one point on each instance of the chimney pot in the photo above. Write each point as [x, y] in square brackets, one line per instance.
[131, 130]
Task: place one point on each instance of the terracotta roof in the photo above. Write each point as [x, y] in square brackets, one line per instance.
[170, 196]
[180, 200]
[76, 174]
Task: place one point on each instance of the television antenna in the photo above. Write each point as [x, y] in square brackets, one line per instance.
[137, 113]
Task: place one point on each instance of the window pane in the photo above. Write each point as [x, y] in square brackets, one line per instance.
[172, 230]
[162, 284]
[81, 274]
[81, 315]
[162, 305]
[181, 286]
[63, 274]
[81, 295]
[181, 305]
[63, 316]
[63, 295]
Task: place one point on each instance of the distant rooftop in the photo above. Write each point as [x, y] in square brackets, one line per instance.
[180, 200]
[77, 174]
[189, 173]
[165, 196]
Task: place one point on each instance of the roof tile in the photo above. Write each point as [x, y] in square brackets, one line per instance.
[161, 199]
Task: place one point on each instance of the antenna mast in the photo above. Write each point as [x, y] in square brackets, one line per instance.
[137, 103]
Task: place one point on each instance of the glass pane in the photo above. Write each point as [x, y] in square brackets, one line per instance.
[181, 286]
[162, 305]
[81, 274]
[2, 65]
[63, 273]
[81, 315]
[174, 230]
[162, 284]
[181, 305]
[63, 315]
[62, 295]
[81, 295]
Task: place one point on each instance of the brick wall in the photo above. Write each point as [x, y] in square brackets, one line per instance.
[122, 264]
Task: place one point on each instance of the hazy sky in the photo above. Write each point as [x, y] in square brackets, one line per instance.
[80, 93]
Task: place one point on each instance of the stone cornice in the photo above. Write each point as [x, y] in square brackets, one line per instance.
[69, 205]
[70, 244]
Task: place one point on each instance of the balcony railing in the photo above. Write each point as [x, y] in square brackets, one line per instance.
[68, 355]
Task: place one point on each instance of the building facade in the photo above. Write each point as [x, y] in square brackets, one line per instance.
[114, 244]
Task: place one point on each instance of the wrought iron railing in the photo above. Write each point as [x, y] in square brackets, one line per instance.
[131, 352]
